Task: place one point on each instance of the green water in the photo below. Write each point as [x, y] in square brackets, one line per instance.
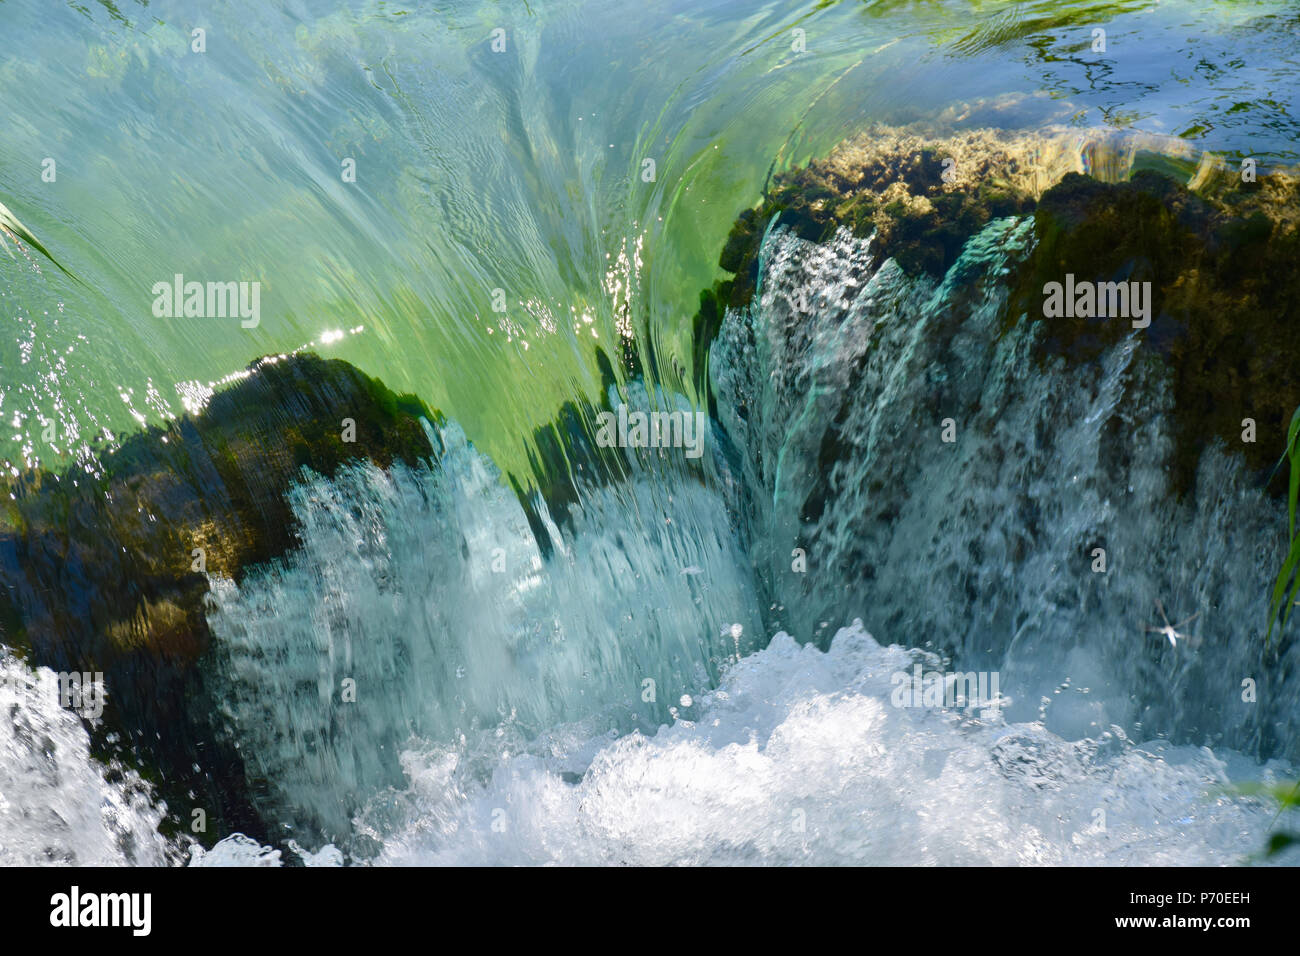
[521, 170]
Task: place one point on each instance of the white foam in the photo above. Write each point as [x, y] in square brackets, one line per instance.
[800, 757]
[57, 803]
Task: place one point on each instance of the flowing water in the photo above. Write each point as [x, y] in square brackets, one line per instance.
[649, 680]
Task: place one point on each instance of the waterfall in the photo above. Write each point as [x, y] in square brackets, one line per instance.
[836, 384]
[500, 721]
[428, 590]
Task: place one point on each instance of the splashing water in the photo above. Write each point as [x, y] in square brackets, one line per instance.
[57, 804]
[395, 590]
[984, 547]
[801, 757]
[498, 712]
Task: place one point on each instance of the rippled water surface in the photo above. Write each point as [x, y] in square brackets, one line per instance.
[520, 170]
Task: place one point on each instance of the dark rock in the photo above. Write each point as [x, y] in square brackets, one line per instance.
[1220, 254]
[1225, 291]
[97, 571]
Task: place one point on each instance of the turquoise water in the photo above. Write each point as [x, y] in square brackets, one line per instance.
[520, 170]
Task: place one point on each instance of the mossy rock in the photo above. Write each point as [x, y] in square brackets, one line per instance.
[922, 199]
[96, 571]
[1220, 254]
[1224, 300]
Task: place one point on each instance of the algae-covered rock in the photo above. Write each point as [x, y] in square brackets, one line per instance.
[1218, 247]
[1223, 288]
[108, 573]
[921, 196]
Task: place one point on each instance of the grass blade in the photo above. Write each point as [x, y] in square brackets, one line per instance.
[10, 224]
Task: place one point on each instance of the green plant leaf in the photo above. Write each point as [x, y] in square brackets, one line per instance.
[1287, 795]
[1284, 578]
[1279, 589]
[10, 224]
[1294, 454]
[1280, 841]
[1290, 601]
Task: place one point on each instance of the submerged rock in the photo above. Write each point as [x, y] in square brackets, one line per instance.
[107, 573]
